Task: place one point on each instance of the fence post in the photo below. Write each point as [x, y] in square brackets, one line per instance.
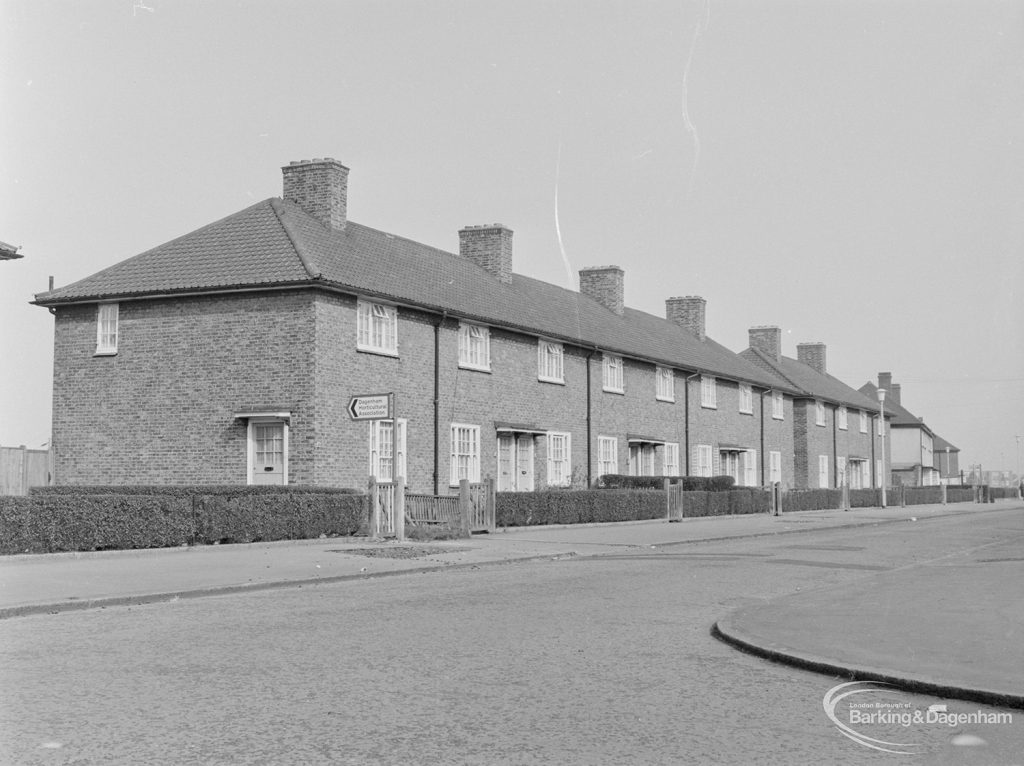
[374, 516]
[399, 509]
[846, 497]
[903, 496]
[944, 500]
[492, 503]
[465, 506]
[666, 485]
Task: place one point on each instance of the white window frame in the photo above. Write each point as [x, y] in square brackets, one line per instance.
[863, 422]
[560, 468]
[778, 406]
[381, 446]
[670, 459]
[819, 413]
[607, 455]
[823, 478]
[474, 347]
[746, 399]
[107, 328]
[614, 374]
[774, 467]
[468, 459]
[376, 328]
[702, 460]
[708, 392]
[665, 384]
[843, 418]
[550, 361]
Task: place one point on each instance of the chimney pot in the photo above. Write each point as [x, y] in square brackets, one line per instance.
[605, 284]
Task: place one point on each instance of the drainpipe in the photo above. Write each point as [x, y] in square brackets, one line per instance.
[766, 391]
[835, 448]
[590, 438]
[686, 417]
[437, 395]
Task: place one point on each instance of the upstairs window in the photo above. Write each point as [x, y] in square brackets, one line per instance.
[664, 384]
[474, 347]
[778, 406]
[106, 328]
[841, 416]
[708, 391]
[746, 399]
[863, 422]
[819, 413]
[613, 374]
[377, 327]
[549, 362]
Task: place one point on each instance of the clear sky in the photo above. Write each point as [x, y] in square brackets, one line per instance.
[852, 172]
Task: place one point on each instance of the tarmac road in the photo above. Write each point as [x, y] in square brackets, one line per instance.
[583, 659]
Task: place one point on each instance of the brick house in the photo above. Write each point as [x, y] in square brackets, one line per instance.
[913, 442]
[836, 430]
[946, 460]
[230, 354]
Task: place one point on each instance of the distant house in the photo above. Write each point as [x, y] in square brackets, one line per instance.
[836, 430]
[946, 460]
[231, 354]
[912, 441]
[9, 252]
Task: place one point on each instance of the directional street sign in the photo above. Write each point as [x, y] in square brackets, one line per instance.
[370, 407]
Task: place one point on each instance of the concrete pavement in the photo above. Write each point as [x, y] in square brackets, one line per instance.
[973, 649]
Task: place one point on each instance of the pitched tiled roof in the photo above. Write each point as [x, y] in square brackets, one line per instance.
[275, 243]
[810, 382]
[941, 445]
[8, 252]
[901, 416]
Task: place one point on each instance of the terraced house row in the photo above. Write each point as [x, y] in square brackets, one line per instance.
[230, 355]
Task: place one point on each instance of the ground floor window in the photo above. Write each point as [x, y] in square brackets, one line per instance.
[559, 459]
[859, 473]
[670, 461]
[823, 471]
[701, 465]
[607, 455]
[465, 453]
[774, 467]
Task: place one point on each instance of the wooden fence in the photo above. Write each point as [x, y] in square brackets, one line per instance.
[472, 510]
[21, 468]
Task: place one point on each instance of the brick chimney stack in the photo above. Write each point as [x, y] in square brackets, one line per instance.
[688, 312]
[885, 380]
[606, 285]
[320, 187]
[894, 392]
[490, 247]
[813, 355]
[767, 340]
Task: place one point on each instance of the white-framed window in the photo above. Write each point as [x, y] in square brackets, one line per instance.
[859, 474]
[613, 373]
[550, 366]
[878, 472]
[819, 413]
[559, 459]
[702, 465]
[778, 406]
[841, 476]
[377, 328]
[607, 455]
[474, 347]
[670, 462]
[665, 384]
[746, 399]
[382, 463]
[863, 422]
[106, 328]
[774, 467]
[465, 453]
[708, 391]
[823, 471]
[843, 417]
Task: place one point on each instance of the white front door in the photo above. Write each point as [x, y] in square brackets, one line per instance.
[268, 447]
[515, 462]
[524, 463]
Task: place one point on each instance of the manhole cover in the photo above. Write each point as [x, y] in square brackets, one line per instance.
[398, 552]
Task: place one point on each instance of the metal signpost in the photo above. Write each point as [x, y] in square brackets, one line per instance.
[384, 407]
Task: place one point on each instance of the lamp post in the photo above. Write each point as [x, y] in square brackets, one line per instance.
[881, 402]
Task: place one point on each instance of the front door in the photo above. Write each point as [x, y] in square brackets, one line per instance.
[515, 462]
[268, 453]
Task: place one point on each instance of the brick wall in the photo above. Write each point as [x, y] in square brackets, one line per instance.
[161, 410]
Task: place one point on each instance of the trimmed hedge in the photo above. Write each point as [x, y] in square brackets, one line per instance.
[690, 483]
[52, 519]
[811, 499]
